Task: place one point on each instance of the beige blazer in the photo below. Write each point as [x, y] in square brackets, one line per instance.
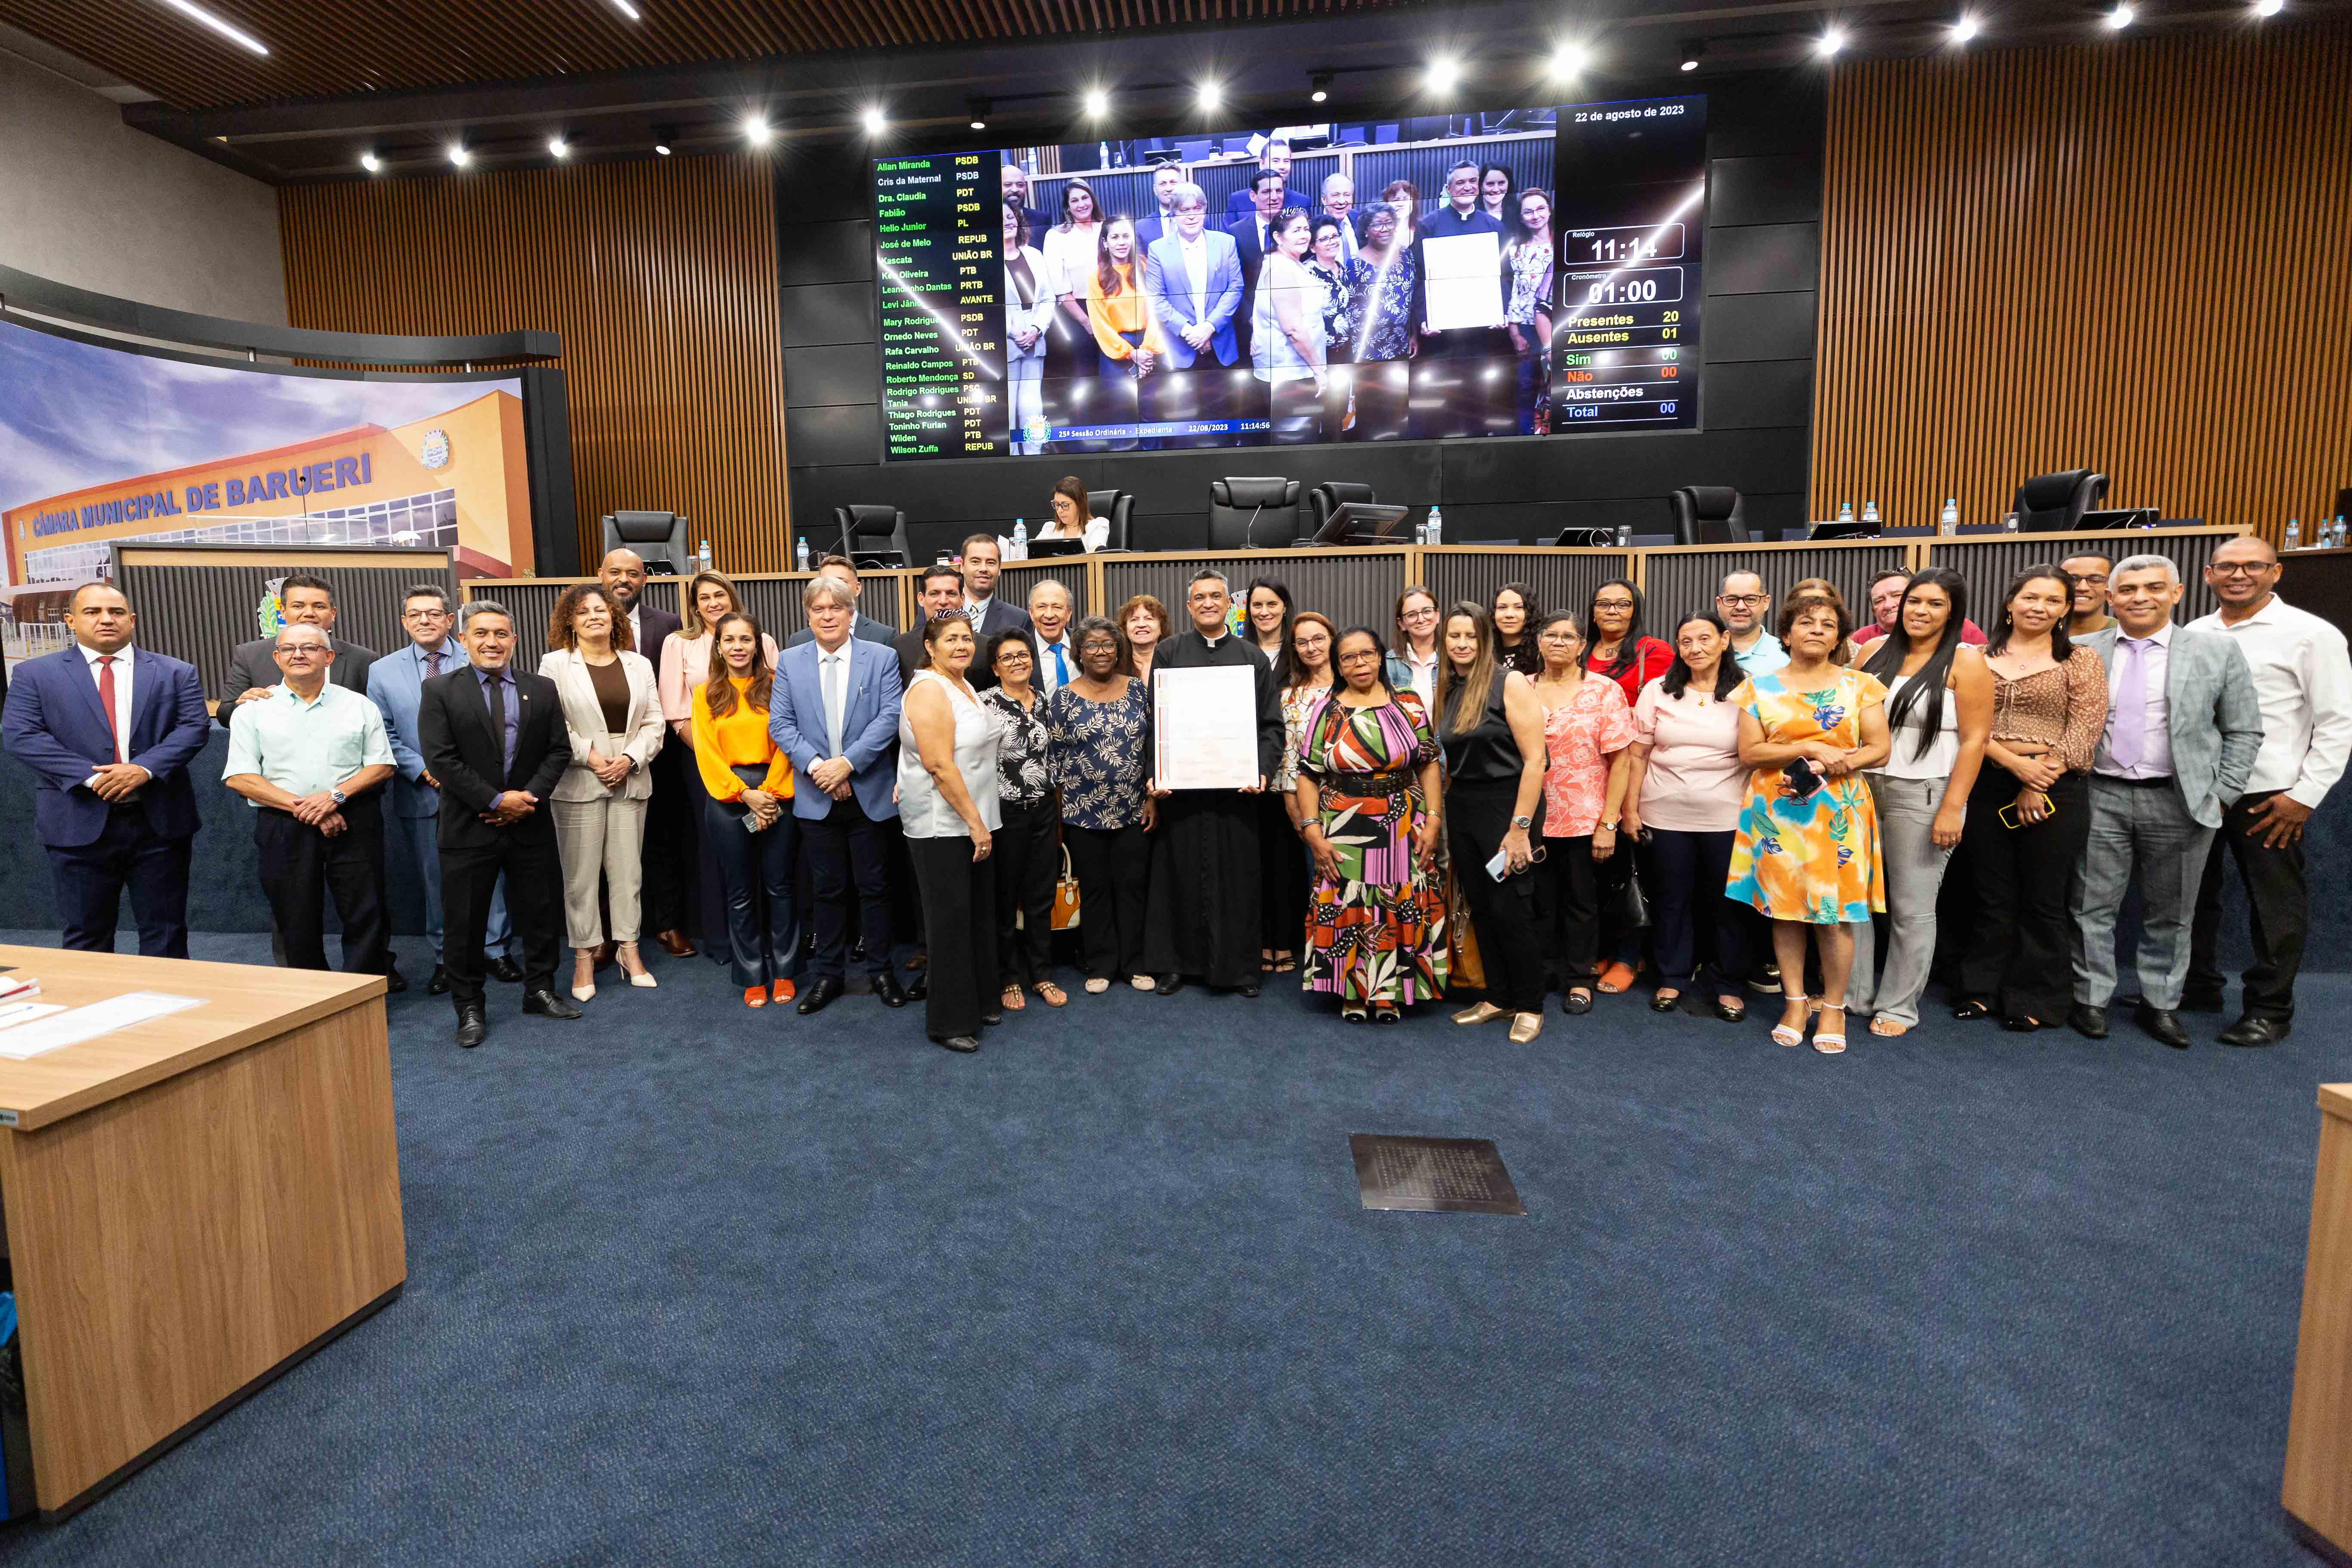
[583, 717]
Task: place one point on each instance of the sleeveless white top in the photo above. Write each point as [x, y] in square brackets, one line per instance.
[1943, 755]
[923, 811]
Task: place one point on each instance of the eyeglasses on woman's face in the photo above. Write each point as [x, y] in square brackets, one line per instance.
[1359, 656]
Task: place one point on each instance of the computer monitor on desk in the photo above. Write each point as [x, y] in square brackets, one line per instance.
[1362, 523]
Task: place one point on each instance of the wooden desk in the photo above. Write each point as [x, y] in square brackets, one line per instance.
[2319, 1489]
[193, 1203]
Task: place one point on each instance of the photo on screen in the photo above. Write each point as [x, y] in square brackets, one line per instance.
[103, 446]
[1521, 272]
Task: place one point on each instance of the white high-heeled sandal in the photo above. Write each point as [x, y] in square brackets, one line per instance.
[1784, 1035]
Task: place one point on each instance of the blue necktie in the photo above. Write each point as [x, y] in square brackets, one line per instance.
[1061, 668]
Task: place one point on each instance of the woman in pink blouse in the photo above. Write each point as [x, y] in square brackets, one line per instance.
[1588, 727]
[685, 668]
[1682, 799]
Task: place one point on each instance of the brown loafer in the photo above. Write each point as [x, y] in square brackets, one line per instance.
[674, 942]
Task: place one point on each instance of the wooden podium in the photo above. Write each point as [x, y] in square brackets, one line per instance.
[2318, 1489]
[193, 1203]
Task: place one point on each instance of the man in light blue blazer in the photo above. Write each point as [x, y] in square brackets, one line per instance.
[413, 804]
[2184, 726]
[1193, 286]
[834, 711]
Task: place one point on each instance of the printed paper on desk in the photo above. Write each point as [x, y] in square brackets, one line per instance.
[80, 1024]
[1464, 280]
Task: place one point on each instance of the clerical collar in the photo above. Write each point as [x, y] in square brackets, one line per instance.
[1213, 641]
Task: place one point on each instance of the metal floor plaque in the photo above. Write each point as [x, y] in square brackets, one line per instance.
[1435, 1176]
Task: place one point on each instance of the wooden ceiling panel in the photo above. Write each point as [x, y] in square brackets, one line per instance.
[321, 49]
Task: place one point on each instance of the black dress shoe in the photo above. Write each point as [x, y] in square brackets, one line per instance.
[1247, 988]
[437, 984]
[1664, 1004]
[548, 1004]
[393, 981]
[2252, 1031]
[2199, 1001]
[473, 1026]
[820, 991]
[888, 990]
[505, 969]
[919, 987]
[962, 1043]
[1169, 986]
[2163, 1023]
[2020, 1024]
[2088, 1021]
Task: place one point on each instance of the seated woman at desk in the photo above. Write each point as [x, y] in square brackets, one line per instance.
[1070, 513]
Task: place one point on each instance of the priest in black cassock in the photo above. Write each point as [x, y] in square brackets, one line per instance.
[1200, 920]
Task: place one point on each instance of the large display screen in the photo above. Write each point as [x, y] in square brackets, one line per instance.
[101, 446]
[1523, 272]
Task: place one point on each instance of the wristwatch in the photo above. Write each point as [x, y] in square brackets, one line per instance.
[338, 796]
[1523, 822]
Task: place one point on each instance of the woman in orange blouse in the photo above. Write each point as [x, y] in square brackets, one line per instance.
[746, 820]
[1127, 339]
[2029, 813]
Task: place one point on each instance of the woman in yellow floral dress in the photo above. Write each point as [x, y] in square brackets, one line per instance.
[1806, 852]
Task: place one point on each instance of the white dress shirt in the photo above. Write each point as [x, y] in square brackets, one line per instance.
[2303, 681]
[1196, 271]
[90, 655]
[1048, 680]
[833, 676]
[2156, 750]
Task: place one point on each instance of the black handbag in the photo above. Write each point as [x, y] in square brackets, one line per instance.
[1626, 906]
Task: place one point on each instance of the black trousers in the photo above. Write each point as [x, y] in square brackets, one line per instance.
[764, 922]
[960, 907]
[1028, 863]
[1692, 921]
[2278, 911]
[1113, 867]
[1503, 913]
[1567, 898]
[1283, 872]
[89, 881]
[301, 868]
[846, 850]
[667, 857]
[2018, 956]
[526, 853]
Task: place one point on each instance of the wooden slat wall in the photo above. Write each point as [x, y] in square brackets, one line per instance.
[2131, 255]
[660, 278]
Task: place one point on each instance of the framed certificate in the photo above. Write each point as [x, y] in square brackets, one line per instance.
[1204, 727]
[1463, 283]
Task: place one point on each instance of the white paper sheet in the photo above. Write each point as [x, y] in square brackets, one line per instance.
[1463, 283]
[79, 1023]
[1205, 728]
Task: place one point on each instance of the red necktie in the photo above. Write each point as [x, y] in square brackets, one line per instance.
[106, 700]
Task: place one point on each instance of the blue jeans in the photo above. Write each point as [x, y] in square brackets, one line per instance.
[763, 923]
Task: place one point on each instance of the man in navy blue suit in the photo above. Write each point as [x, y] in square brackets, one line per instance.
[1274, 158]
[109, 729]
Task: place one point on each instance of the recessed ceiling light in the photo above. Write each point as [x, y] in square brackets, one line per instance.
[1830, 43]
[234, 35]
[625, 9]
[558, 147]
[459, 155]
[1693, 50]
[2120, 18]
[1320, 84]
[1967, 28]
[371, 162]
[1444, 72]
[661, 140]
[1570, 60]
[756, 130]
[877, 122]
[1209, 95]
[1097, 103]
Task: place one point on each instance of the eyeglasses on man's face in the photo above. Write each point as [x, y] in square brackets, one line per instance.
[1736, 600]
[2242, 568]
[301, 649]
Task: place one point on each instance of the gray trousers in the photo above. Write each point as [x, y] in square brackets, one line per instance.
[2143, 831]
[1915, 874]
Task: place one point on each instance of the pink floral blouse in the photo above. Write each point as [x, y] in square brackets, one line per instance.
[1580, 737]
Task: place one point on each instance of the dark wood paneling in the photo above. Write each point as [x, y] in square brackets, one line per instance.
[660, 278]
[2128, 257]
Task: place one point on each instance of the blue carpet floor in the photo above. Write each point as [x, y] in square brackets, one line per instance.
[689, 1284]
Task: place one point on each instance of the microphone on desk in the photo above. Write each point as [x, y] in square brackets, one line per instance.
[1249, 529]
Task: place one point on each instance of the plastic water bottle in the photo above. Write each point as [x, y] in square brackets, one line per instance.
[1870, 511]
[2340, 530]
[1624, 535]
[1102, 154]
[1436, 527]
[2009, 523]
[1947, 521]
[2293, 533]
[1020, 539]
[1845, 511]
[803, 552]
[703, 554]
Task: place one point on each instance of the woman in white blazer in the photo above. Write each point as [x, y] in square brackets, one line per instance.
[612, 712]
[1029, 295]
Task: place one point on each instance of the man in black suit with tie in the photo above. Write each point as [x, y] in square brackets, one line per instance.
[669, 813]
[989, 614]
[939, 592]
[303, 600]
[494, 737]
[1274, 158]
[1162, 219]
[1253, 237]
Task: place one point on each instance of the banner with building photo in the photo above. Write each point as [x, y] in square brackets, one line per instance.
[101, 446]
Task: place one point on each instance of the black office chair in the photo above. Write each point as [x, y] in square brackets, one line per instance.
[1118, 509]
[1707, 514]
[871, 528]
[1329, 497]
[2054, 504]
[1246, 511]
[657, 537]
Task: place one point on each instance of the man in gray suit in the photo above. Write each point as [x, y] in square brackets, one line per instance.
[2183, 730]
